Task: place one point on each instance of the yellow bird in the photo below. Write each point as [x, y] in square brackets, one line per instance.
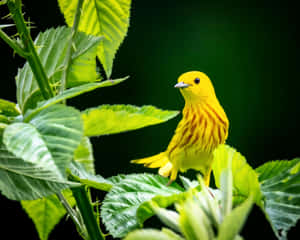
[203, 127]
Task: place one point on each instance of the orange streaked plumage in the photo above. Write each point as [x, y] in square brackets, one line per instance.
[203, 127]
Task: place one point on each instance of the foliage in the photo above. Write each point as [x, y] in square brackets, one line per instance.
[280, 188]
[46, 156]
[202, 215]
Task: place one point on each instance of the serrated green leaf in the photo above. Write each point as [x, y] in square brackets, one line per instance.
[110, 119]
[47, 212]
[150, 234]
[95, 181]
[234, 221]
[106, 18]
[20, 180]
[51, 47]
[61, 129]
[245, 179]
[84, 155]
[42, 150]
[70, 93]
[25, 142]
[120, 206]
[280, 186]
[8, 108]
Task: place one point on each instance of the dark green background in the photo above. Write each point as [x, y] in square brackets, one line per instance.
[250, 52]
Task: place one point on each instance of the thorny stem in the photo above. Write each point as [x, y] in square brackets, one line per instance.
[87, 213]
[69, 209]
[32, 57]
[15, 46]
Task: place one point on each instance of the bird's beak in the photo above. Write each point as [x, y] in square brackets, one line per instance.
[181, 85]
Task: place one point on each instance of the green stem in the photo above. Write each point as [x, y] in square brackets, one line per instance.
[14, 45]
[69, 209]
[32, 57]
[70, 50]
[87, 213]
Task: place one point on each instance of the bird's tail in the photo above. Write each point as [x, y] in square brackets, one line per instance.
[160, 161]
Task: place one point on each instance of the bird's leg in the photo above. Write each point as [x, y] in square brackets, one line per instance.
[206, 179]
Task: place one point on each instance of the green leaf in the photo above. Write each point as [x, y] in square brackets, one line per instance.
[47, 212]
[70, 93]
[109, 119]
[245, 180]
[151, 234]
[280, 186]
[187, 183]
[193, 221]
[61, 129]
[24, 141]
[51, 47]
[8, 108]
[40, 151]
[169, 217]
[108, 18]
[79, 174]
[20, 180]
[234, 221]
[146, 210]
[120, 206]
[84, 155]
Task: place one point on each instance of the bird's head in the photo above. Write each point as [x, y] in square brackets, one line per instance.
[195, 86]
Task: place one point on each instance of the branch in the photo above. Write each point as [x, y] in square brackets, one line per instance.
[87, 213]
[32, 57]
[13, 44]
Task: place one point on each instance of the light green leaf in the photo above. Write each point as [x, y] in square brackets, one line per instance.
[169, 217]
[187, 183]
[20, 180]
[280, 186]
[151, 234]
[47, 212]
[79, 174]
[193, 221]
[109, 119]
[24, 141]
[245, 180]
[39, 153]
[146, 210]
[51, 47]
[120, 206]
[8, 108]
[84, 155]
[234, 221]
[101, 18]
[171, 234]
[61, 128]
[70, 93]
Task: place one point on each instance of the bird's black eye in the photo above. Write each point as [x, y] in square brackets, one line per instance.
[197, 80]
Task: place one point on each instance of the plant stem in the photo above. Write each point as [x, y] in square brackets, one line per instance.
[86, 210]
[69, 209]
[15, 46]
[70, 50]
[32, 57]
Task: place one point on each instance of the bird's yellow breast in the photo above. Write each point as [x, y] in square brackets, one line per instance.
[202, 128]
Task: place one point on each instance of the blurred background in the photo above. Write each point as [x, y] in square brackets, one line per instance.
[250, 52]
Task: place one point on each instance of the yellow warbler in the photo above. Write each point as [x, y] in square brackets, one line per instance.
[203, 127]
